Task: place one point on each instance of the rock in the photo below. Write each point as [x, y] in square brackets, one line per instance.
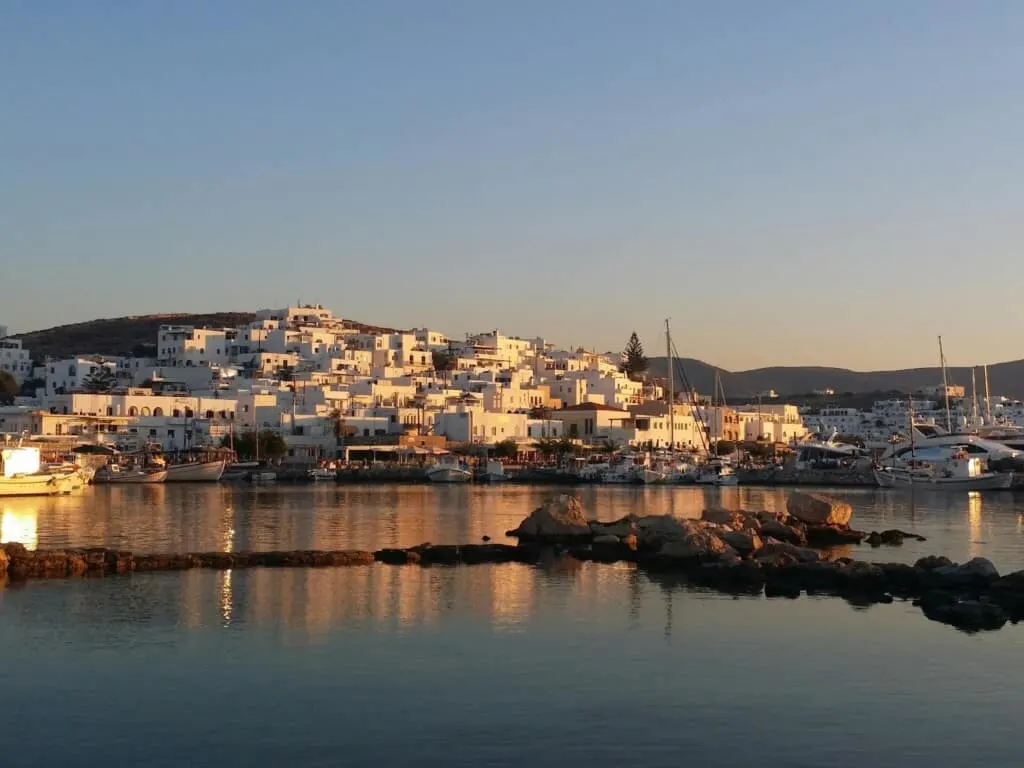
[698, 545]
[774, 550]
[976, 572]
[655, 530]
[735, 521]
[607, 538]
[14, 549]
[778, 530]
[623, 527]
[892, 537]
[4, 560]
[560, 517]
[818, 509]
[744, 542]
[832, 536]
[931, 562]
[396, 556]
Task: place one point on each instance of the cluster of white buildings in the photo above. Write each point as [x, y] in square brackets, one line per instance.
[322, 383]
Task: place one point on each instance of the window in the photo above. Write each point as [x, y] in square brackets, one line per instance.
[145, 411]
[176, 413]
[152, 433]
[133, 411]
[170, 433]
[158, 411]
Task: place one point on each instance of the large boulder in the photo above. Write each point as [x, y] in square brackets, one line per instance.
[654, 530]
[559, 517]
[781, 551]
[622, 527]
[818, 509]
[976, 572]
[734, 521]
[744, 542]
[779, 530]
[700, 545]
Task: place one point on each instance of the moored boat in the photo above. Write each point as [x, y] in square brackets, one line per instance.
[21, 474]
[960, 472]
[494, 472]
[113, 474]
[717, 472]
[195, 472]
[449, 470]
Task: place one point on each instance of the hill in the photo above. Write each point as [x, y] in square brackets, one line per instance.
[133, 335]
[1004, 379]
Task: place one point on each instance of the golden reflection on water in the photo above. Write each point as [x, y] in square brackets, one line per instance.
[19, 520]
[974, 521]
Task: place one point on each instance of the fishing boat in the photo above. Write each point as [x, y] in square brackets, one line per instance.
[449, 469]
[717, 471]
[196, 471]
[21, 474]
[494, 472]
[322, 474]
[115, 474]
[959, 472]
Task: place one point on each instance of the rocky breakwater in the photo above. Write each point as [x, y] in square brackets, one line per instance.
[783, 555]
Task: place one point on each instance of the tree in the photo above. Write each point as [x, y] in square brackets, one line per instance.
[633, 362]
[8, 388]
[443, 362]
[506, 449]
[103, 380]
[271, 445]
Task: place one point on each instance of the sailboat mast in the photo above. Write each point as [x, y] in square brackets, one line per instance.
[988, 400]
[945, 386]
[974, 398]
[671, 388]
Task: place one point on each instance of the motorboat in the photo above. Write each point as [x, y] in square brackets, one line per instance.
[716, 472]
[21, 474]
[449, 469]
[958, 472]
[115, 474]
[263, 477]
[196, 471]
[931, 436]
[827, 454]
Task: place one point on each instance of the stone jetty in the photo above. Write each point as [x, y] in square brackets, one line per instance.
[779, 555]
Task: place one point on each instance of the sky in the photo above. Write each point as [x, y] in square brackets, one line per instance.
[791, 182]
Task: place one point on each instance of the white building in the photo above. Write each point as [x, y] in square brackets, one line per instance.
[13, 358]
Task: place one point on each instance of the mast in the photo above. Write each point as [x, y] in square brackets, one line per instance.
[671, 389]
[945, 386]
[988, 401]
[974, 398]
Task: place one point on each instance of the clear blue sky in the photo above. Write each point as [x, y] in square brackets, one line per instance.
[792, 182]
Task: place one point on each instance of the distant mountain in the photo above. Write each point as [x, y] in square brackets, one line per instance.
[1004, 379]
[134, 335]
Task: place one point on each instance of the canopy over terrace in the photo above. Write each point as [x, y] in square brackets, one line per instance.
[390, 452]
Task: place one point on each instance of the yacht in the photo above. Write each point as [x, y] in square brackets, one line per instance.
[932, 436]
[827, 454]
[21, 474]
[449, 469]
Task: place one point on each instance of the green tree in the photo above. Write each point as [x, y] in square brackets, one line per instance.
[506, 449]
[8, 388]
[100, 382]
[725, 447]
[633, 362]
[271, 445]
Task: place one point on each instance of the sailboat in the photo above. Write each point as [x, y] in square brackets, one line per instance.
[717, 470]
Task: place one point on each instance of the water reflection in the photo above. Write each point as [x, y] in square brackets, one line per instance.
[19, 521]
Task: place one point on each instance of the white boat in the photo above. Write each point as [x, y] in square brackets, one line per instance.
[716, 472]
[449, 470]
[494, 472]
[262, 477]
[113, 474]
[322, 475]
[21, 474]
[195, 472]
[960, 472]
[930, 436]
[623, 471]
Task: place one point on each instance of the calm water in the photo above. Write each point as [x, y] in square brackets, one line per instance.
[502, 665]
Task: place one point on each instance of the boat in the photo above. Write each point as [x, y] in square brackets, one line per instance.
[114, 474]
[626, 470]
[815, 453]
[449, 470]
[322, 474]
[716, 472]
[959, 472]
[263, 476]
[196, 472]
[494, 472]
[21, 474]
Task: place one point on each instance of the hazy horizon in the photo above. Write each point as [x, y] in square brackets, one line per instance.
[793, 183]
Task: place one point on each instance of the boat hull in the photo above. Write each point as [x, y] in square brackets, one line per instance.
[989, 482]
[34, 485]
[129, 478]
[449, 475]
[199, 472]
